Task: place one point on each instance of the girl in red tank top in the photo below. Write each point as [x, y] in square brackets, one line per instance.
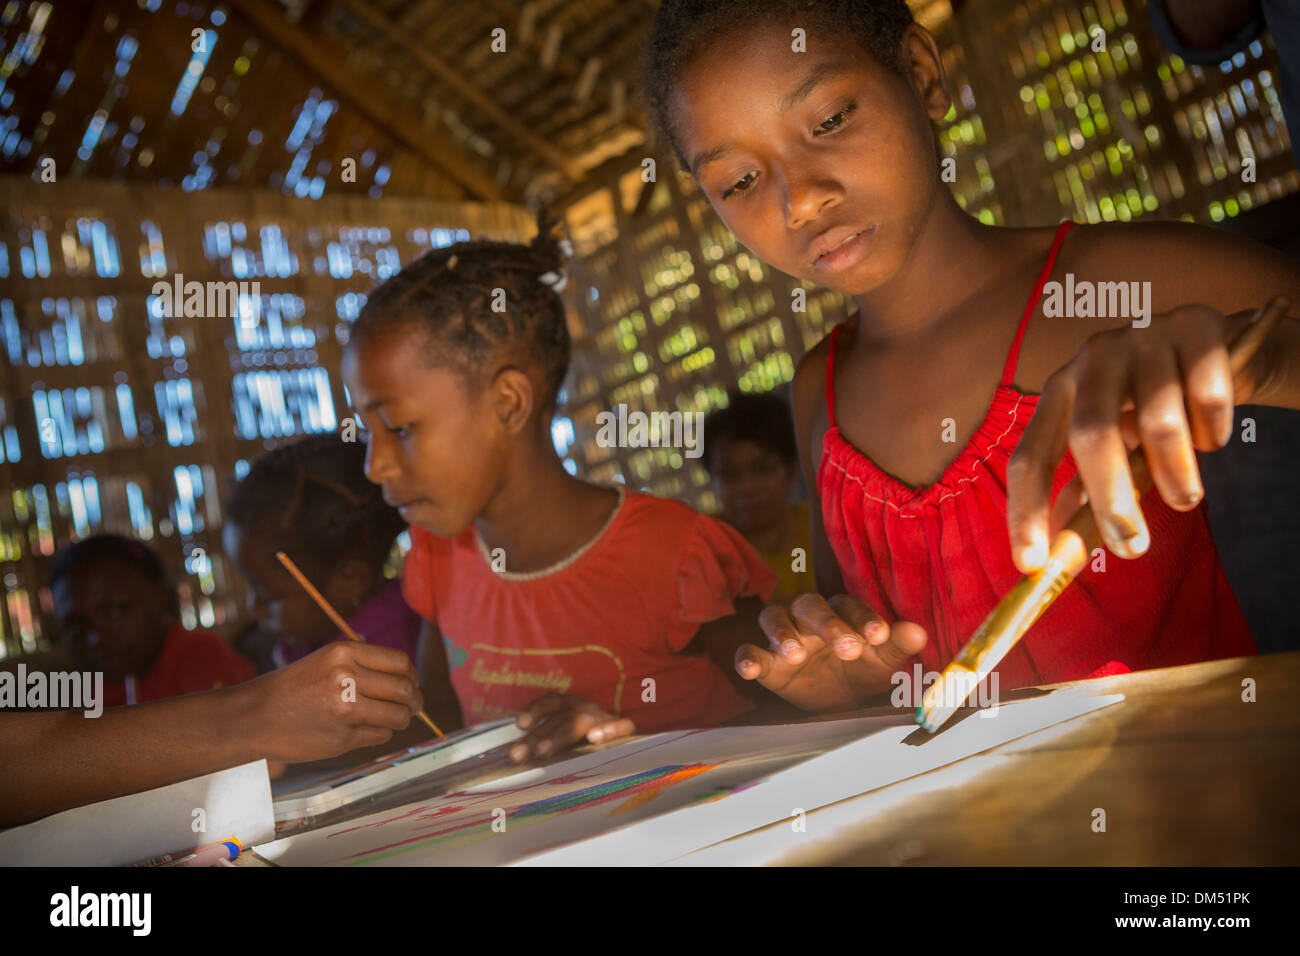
[939, 555]
[821, 158]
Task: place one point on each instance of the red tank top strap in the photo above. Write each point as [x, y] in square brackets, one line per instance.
[830, 372]
[1013, 356]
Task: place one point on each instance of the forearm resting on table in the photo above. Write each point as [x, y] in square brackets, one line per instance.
[56, 761]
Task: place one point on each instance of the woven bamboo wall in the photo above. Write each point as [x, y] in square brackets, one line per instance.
[114, 418]
[671, 310]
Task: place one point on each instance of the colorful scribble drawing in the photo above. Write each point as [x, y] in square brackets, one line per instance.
[639, 788]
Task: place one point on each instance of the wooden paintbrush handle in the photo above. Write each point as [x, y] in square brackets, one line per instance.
[337, 618]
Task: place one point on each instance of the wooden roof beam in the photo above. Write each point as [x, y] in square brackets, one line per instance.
[326, 58]
[452, 77]
[564, 63]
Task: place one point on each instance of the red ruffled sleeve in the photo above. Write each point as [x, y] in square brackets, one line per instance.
[418, 575]
[717, 565]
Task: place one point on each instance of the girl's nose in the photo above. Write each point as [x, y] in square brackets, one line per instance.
[378, 464]
[806, 197]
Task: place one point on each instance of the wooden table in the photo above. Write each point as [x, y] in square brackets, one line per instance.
[1185, 770]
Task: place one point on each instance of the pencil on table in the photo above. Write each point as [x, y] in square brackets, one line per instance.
[337, 619]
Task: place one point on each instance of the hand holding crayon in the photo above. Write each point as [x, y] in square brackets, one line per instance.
[1008, 622]
[1169, 389]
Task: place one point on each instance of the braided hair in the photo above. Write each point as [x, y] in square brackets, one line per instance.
[449, 295]
[314, 500]
[683, 28]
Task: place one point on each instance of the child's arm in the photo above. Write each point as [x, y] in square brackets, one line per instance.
[721, 638]
[824, 655]
[1166, 386]
[558, 721]
[808, 404]
[54, 761]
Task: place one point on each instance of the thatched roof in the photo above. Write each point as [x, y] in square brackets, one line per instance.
[497, 99]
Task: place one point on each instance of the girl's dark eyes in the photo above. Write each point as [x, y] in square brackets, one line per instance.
[836, 122]
[401, 431]
[740, 187]
[832, 125]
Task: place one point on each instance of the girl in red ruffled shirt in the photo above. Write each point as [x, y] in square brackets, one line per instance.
[587, 610]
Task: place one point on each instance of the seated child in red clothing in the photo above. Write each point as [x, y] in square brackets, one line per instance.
[115, 612]
[590, 609]
[821, 158]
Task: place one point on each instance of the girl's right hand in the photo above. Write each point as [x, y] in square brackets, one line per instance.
[829, 655]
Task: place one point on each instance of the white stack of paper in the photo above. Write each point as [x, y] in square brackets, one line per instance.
[143, 826]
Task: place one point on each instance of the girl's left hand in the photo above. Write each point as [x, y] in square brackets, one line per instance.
[558, 721]
[1167, 387]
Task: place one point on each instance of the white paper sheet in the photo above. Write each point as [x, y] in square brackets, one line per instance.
[143, 826]
[886, 756]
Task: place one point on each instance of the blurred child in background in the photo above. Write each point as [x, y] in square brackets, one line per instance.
[116, 612]
[310, 499]
[752, 460]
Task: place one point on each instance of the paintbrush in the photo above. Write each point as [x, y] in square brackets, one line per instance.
[1069, 553]
[338, 620]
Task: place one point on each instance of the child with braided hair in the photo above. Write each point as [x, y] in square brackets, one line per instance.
[586, 610]
[311, 500]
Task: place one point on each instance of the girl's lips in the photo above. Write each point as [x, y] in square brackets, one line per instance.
[847, 254]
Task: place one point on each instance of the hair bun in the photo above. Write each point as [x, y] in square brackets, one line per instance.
[556, 279]
[555, 252]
